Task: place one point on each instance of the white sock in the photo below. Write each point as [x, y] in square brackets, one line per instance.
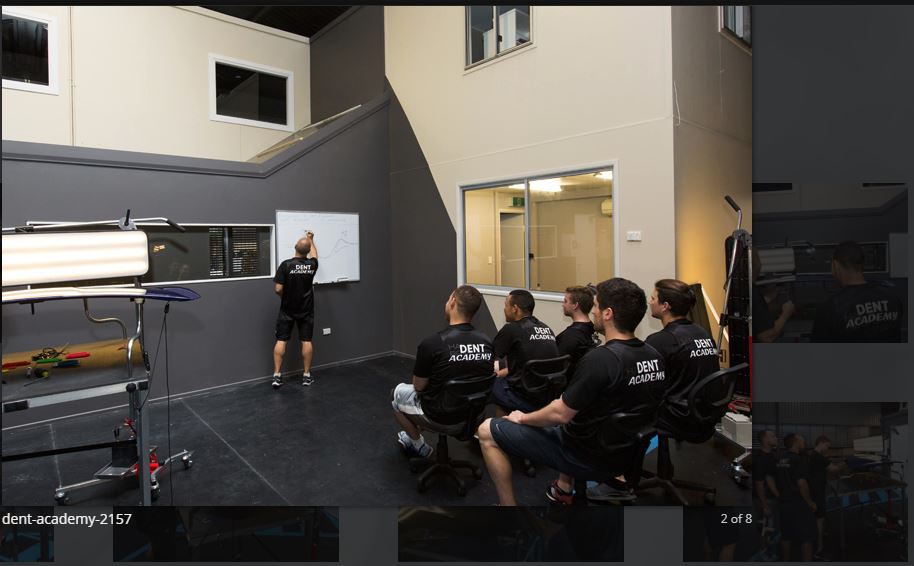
[275, 375]
[418, 442]
[307, 374]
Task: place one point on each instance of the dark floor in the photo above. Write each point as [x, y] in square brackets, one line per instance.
[331, 444]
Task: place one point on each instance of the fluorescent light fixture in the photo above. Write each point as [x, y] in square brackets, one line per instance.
[608, 175]
[541, 186]
[51, 257]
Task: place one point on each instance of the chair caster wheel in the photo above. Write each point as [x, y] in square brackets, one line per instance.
[188, 463]
[62, 498]
[477, 473]
[461, 491]
[710, 498]
[155, 491]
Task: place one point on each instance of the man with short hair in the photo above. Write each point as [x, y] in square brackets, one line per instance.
[862, 311]
[294, 283]
[580, 337]
[819, 469]
[574, 434]
[689, 354]
[457, 352]
[798, 521]
[521, 339]
[765, 492]
[765, 326]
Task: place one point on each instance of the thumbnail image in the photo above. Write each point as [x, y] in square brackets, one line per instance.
[830, 262]
[503, 534]
[227, 534]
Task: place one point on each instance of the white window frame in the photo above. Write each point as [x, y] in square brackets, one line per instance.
[726, 32]
[53, 86]
[273, 265]
[289, 126]
[499, 55]
[502, 291]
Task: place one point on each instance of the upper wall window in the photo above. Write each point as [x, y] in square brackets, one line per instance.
[736, 23]
[540, 234]
[250, 94]
[29, 51]
[494, 30]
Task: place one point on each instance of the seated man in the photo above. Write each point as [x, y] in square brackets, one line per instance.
[521, 339]
[573, 434]
[579, 338]
[862, 311]
[457, 352]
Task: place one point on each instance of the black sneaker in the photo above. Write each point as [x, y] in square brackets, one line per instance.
[307, 380]
[612, 491]
[277, 381]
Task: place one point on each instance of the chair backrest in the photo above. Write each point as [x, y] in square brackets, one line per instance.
[544, 380]
[637, 430]
[708, 399]
[467, 398]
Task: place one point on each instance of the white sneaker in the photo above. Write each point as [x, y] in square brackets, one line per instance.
[277, 381]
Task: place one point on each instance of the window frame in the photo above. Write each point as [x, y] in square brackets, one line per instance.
[273, 264]
[729, 34]
[214, 116]
[53, 86]
[526, 179]
[497, 56]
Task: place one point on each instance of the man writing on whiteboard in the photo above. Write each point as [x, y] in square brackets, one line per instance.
[294, 283]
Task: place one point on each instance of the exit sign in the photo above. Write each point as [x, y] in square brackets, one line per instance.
[517, 201]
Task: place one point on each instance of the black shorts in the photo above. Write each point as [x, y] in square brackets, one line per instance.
[798, 523]
[285, 322]
[506, 398]
[546, 446]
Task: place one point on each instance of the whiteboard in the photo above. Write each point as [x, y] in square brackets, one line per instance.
[336, 236]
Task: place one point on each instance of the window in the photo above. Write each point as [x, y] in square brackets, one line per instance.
[494, 30]
[736, 23]
[540, 234]
[202, 253]
[29, 52]
[250, 94]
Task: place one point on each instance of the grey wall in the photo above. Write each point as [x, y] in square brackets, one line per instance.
[424, 251]
[227, 335]
[347, 61]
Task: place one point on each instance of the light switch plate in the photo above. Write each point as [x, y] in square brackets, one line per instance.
[633, 236]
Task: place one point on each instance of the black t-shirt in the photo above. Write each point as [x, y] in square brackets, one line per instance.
[763, 465]
[689, 354]
[790, 468]
[457, 352]
[762, 319]
[521, 341]
[870, 312]
[622, 376]
[576, 340]
[296, 276]
[818, 475]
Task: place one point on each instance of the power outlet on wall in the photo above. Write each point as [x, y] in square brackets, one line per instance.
[326, 332]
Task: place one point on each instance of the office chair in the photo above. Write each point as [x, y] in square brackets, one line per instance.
[466, 398]
[637, 432]
[691, 418]
[542, 381]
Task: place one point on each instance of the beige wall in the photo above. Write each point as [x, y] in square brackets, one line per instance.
[140, 82]
[592, 90]
[713, 145]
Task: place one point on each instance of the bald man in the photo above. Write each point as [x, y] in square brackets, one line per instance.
[294, 283]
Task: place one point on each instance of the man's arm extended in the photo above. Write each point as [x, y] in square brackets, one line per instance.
[313, 252]
[420, 383]
[775, 331]
[555, 413]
